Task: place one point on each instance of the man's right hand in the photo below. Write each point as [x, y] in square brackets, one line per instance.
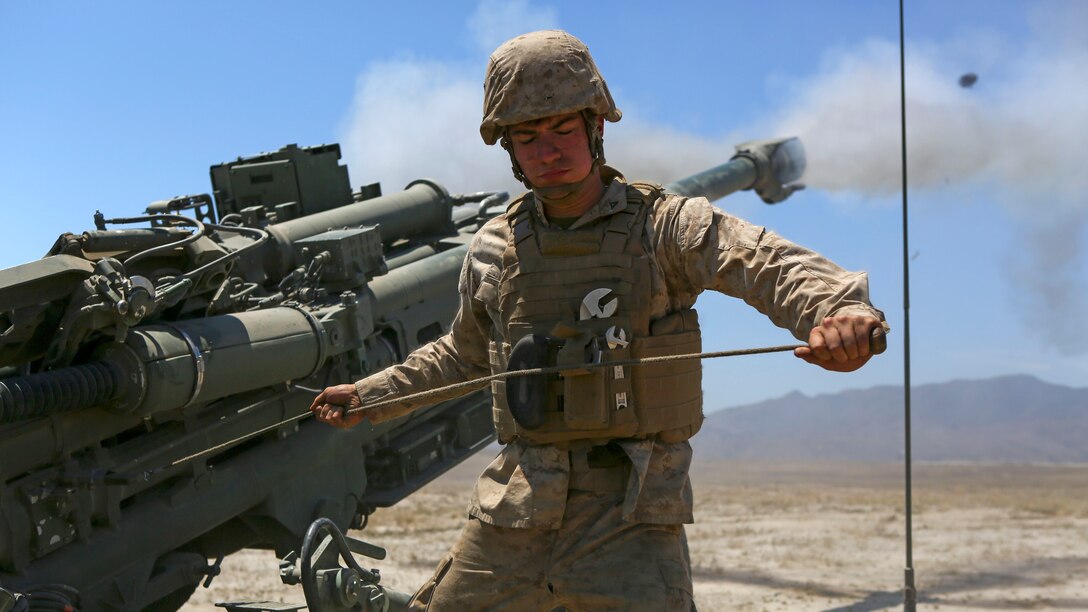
[332, 404]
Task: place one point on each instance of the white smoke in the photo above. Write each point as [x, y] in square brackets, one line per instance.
[413, 119]
[495, 21]
[659, 153]
[419, 118]
[1018, 135]
[1019, 131]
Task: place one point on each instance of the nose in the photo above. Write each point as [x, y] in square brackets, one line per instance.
[545, 150]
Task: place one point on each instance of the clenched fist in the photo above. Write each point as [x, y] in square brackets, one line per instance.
[331, 406]
[840, 343]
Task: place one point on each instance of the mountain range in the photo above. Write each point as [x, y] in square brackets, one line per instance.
[1008, 419]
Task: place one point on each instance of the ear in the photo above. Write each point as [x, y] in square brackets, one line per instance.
[600, 124]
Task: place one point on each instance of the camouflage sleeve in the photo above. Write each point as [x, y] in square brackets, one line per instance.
[702, 247]
[459, 355]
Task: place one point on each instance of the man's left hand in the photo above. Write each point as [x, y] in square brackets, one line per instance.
[839, 343]
[331, 406]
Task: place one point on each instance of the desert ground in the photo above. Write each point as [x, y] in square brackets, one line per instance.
[823, 536]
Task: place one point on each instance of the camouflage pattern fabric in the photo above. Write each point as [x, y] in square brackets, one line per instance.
[696, 246]
[540, 74]
[526, 485]
[536, 540]
[595, 561]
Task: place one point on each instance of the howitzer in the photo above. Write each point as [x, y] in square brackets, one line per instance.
[127, 353]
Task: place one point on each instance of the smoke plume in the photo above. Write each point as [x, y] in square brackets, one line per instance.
[1016, 134]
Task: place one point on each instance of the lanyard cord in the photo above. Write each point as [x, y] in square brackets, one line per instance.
[479, 382]
[877, 345]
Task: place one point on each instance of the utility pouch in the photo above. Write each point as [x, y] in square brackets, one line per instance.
[583, 388]
[584, 405]
[670, 394]
[504, 423]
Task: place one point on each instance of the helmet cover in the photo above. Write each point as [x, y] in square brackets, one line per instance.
[542, 74]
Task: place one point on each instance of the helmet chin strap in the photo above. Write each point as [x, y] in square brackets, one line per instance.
[505, 143]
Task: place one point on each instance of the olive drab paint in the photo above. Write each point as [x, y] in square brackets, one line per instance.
[127, 350]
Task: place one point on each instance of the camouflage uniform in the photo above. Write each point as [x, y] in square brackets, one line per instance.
[547, 530]
[592, 524]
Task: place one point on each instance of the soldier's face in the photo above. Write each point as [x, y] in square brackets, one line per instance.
[552, 151]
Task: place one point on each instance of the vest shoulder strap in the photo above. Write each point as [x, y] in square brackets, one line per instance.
[650, 192]
[520, 217]
[522, 202]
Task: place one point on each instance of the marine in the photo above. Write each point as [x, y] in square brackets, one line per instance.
[584, 506]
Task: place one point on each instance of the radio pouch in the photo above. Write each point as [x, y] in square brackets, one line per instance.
[527, 395]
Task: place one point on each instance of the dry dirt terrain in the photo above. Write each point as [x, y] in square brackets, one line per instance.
[802, 537]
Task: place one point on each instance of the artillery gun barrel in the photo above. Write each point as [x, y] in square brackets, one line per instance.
[735, 175]
[770, 167]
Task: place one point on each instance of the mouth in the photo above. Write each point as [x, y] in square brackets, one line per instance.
[552, 174]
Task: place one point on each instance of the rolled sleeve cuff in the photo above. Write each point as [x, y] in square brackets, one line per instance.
[862, 310]
[378, 388]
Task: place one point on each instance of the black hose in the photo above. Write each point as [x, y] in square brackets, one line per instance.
[260, 236]
[63, 390]
[163, 247]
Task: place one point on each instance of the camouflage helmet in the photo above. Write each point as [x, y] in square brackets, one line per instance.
[541, 74]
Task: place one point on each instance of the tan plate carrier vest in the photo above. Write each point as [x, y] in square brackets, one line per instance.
[546, 274]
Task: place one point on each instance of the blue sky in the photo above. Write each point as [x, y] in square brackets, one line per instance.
[113, 105]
